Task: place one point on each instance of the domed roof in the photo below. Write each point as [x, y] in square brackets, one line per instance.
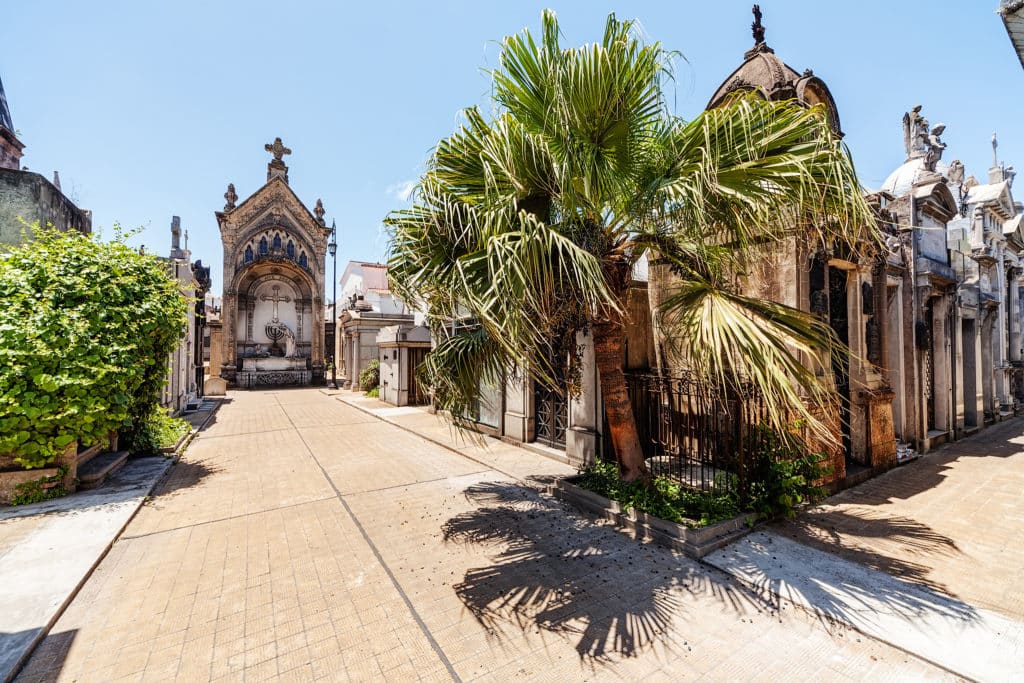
[761, 70]
[766, 74]
[912, 170]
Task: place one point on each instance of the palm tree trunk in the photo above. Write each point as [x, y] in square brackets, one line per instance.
[608, 351]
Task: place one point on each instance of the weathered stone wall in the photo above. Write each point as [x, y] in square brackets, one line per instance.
[32, 197]
[639, 332]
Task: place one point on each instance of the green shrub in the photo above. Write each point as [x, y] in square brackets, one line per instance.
[85, 331]
[369, 378]
[154, 431]
[373, 393]
[782, 475]
[34, 491]
[664, 498]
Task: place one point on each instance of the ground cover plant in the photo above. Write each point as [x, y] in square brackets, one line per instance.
[782, 477]
[660, 497]
[86, 327]
[154, 431]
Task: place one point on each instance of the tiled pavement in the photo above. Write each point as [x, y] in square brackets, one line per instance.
[952, 521]
[301, 539]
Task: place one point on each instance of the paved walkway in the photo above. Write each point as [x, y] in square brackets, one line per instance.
[301, 538]
[952, 521]
[925, 557]
[48, 549]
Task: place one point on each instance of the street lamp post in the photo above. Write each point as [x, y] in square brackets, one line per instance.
[332, 247]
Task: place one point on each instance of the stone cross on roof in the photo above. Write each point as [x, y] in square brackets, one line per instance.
[276, 167]
[277, 149]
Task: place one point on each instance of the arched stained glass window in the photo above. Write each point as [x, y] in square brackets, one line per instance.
[290, 249]
[263, 245]
[277, 241]
[303, 261]
[248, 253]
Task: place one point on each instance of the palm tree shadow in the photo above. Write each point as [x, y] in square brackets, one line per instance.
[558, 571]
[563, 573]
[838, 531]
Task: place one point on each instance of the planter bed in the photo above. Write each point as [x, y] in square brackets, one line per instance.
[168, 450]
[11, 479]
[694, 542]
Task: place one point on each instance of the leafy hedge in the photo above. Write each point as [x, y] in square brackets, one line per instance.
[156, 430]
[369, 378]
[85, 331]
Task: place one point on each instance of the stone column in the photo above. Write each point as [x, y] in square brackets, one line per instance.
[518, 406]
[1014, 313]
[582, 435]
[1001, 336]
[942, 364]
[229, 321]
[215, 385]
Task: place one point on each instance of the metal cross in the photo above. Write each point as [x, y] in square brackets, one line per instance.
[276, 298]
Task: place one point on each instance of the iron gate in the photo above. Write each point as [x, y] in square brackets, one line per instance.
[552, 416]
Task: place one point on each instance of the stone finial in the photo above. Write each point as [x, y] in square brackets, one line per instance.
[956, 172]
[276, 167]
[995, 146]
[757, 28]
[175, 233]
[56, 180]
[230, 197]
[319, 212]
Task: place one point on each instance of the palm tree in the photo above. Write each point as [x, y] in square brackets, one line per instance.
[525, 227]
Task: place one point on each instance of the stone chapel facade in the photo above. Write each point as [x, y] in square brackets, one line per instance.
[272, 309]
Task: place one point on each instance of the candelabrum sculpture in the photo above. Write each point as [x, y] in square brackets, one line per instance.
[276, 331]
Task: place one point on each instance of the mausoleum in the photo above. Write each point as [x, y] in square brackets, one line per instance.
[272, 308]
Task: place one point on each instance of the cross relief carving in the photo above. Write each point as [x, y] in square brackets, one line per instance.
[276, 298]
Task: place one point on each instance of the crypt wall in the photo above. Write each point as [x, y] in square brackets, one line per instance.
[272, 307]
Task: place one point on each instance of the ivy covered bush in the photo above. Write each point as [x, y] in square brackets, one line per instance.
[85, 331]
[369, 377]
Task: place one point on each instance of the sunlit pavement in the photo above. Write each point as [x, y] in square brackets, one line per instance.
[300, 538]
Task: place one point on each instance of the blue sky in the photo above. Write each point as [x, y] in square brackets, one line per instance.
[149, 109]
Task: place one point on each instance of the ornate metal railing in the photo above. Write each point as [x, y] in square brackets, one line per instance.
[695, 433]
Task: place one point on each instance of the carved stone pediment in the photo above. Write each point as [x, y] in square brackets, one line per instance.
[276, 193]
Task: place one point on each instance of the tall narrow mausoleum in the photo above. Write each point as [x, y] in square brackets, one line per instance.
[272, 309]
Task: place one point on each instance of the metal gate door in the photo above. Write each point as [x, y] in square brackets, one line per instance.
[417, 396]
[552, 416]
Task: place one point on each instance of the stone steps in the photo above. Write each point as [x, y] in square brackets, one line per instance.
[99, 468]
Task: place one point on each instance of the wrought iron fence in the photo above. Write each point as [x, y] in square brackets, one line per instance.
[694, 433]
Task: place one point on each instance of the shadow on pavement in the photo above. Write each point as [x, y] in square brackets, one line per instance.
[183, 475]
[564, 573]
[206, 416]
[837, 531]
[47, 659]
